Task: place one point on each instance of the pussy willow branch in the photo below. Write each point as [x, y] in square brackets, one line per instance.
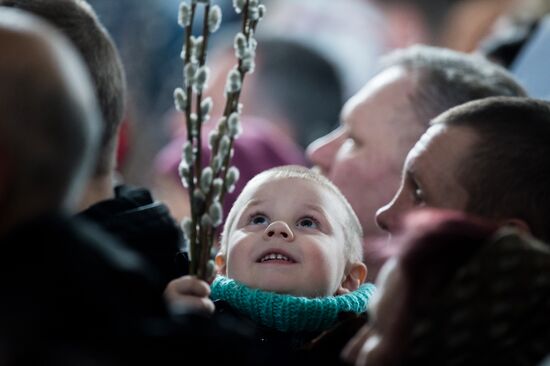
[207, 188]
[232, 105]
[189, 92]
[202, 59]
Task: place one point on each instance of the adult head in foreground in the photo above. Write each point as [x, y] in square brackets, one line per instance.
[70, 280]
[49, 121]
[459, 291]
[486, 157]
[130, 214]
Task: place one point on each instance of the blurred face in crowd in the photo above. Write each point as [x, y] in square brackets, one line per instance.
[364, 156]
[430, 175]
[376, 344]
[289, 238]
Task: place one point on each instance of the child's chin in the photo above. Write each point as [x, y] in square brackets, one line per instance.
[278, 286]
[288, 289]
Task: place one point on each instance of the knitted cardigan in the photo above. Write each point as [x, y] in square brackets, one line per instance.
[288, 313]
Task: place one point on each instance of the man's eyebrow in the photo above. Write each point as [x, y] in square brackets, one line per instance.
[409, 170]
[413, 177]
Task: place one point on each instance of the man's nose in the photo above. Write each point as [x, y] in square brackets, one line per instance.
[322, 151]
[387, 217]
[278, 229]
[383, 217]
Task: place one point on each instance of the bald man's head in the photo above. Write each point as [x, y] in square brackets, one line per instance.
[48, 118]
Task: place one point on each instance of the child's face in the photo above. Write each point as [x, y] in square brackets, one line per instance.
[288, 238]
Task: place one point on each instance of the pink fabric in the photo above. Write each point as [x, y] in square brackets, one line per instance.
[260, 147]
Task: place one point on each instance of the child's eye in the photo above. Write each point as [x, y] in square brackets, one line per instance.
[307, 222]
[258, 219]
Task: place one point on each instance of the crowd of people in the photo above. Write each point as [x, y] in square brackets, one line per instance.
[412, 233]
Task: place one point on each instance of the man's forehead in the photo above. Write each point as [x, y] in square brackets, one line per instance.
[393, 74]
[381, 84]
[430, 134]
[421, 147]
[440, 144]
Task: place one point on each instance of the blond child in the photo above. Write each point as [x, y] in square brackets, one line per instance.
[290, 257]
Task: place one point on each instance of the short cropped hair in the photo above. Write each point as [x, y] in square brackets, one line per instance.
[78, 21]
[351, 227]
[447, 78]
[507, 172]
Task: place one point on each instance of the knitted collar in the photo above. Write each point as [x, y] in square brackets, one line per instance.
[288, 313]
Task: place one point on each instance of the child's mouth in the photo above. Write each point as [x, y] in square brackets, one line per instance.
[276, 257]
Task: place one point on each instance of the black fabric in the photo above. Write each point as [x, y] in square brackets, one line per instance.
[73, 295]
[144, 225]
[63, 277]
[220, 339]
[301, 348]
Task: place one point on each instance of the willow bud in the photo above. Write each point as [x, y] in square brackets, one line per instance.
[233, 84]
[206, 179]
[239, 5]
[216, 213]
[180, 99]
[201, 78]
[187, 227]
[184, 16]
[214, 18]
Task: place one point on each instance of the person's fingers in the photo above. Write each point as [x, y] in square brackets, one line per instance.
[362, 356]
[187, 285]
[194, 286]
[188, 293]
[351, 351]
[184, 304]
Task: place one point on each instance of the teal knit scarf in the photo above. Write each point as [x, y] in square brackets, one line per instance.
[288, 313]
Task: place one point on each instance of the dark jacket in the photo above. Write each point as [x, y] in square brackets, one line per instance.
[303, 348]
[64, 276]
[71, 294]
[143, 225]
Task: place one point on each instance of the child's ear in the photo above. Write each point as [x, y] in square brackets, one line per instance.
[220, 263]
[356, 276]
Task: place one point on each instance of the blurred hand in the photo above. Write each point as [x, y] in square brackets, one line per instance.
[354, 352]
[188, 293]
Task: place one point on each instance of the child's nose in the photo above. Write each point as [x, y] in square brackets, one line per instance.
[279, 229]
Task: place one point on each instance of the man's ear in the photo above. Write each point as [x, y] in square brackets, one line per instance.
[519, 224]
[357, 274]
[220, 263]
